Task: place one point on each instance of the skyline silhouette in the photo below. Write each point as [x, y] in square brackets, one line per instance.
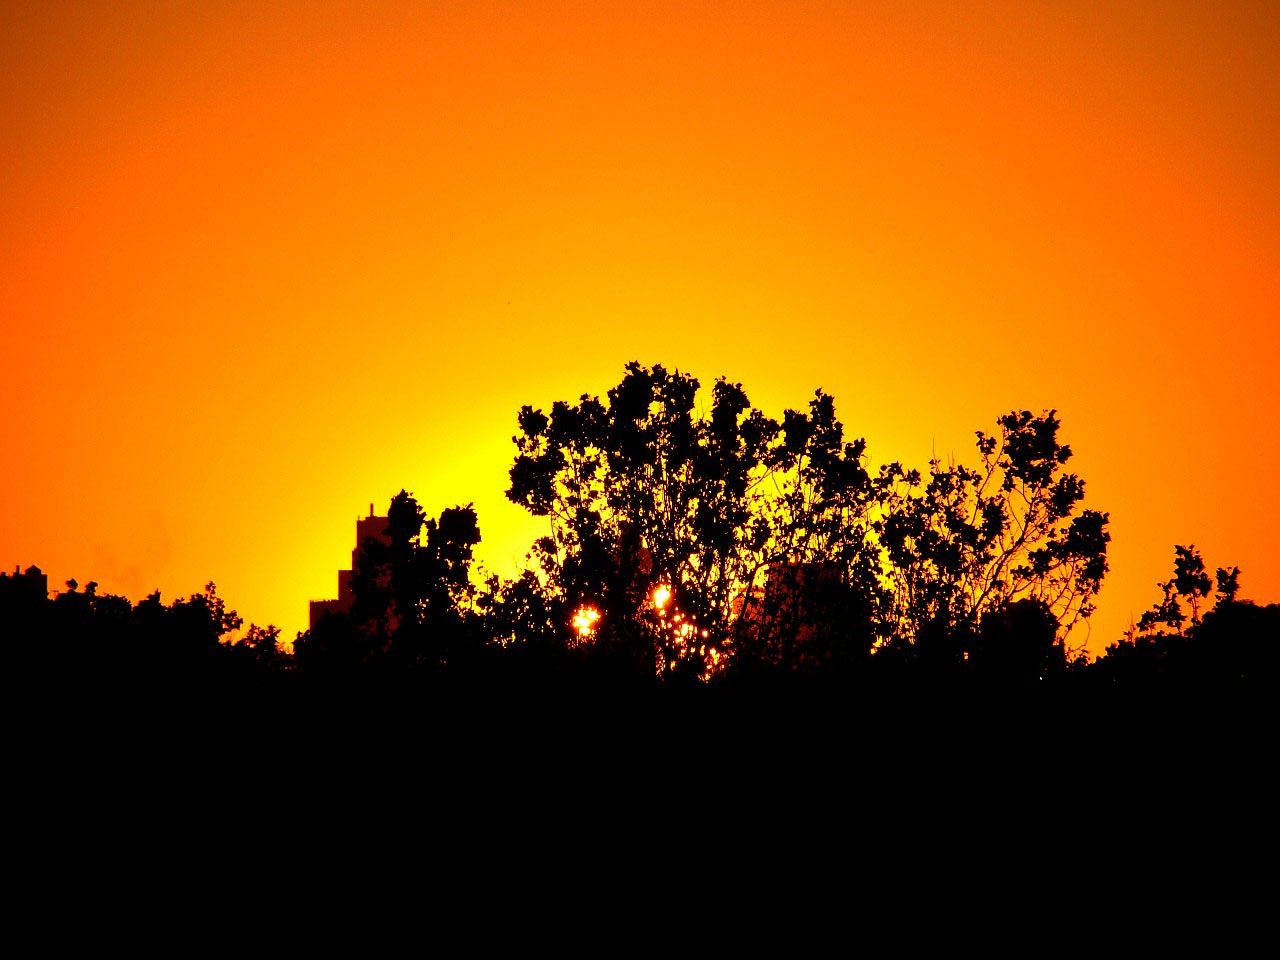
[418, 624]
[708, 546]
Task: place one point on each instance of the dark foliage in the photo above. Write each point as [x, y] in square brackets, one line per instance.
[715, 550]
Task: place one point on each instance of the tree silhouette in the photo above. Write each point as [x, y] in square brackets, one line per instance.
[645, 495]
[973, 541]
[263, 648]
[1016, 642]
[640, 494]
[414, 601]
[812, 527]
[1234, 646]
[107, 641]
[695, 540]
[1189, 582]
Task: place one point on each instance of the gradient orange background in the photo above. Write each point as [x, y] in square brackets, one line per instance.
[264, 264]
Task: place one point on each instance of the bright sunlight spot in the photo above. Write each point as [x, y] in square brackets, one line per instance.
[584, 620]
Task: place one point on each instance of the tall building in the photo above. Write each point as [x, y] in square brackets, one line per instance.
[370, 527]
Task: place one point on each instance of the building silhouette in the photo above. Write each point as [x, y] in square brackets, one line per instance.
[28, 586]
[804, 617]
[371, 527]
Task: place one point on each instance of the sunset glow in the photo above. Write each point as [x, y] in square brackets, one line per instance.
[265, 264]
[584, 621]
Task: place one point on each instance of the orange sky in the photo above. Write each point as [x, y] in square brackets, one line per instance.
[261, 267]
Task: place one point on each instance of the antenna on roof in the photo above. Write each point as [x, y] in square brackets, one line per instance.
[371, 509]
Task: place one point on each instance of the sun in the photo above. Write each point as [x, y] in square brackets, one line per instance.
[584, 621]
